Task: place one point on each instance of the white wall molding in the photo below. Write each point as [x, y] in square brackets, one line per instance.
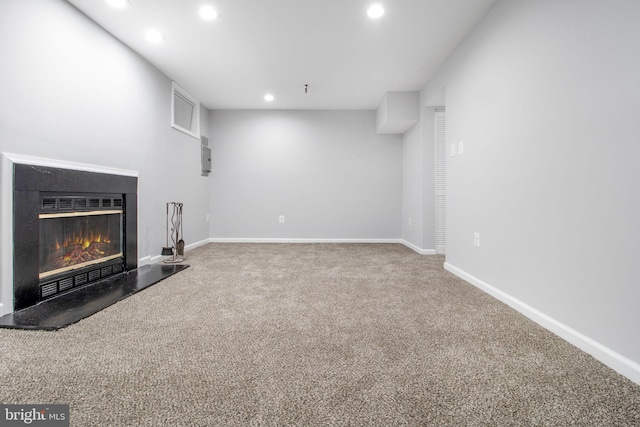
[615, 361]
[418, 249]
[196, 244]
[54, 163]
[145, 260]
[291, 240]
[159, 258]
[6, 230]
[296, 240]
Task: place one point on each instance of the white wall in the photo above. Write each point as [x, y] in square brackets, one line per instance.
[72, 92]
[413, 187]
[327, 172]
[546, 97]
[418, 184]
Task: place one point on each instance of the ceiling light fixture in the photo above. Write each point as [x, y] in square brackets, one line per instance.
[208, 12]
[154, 36]
[268, 97]
[118, 3]
[376, 11]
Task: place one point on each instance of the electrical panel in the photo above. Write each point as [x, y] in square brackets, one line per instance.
[206, 155]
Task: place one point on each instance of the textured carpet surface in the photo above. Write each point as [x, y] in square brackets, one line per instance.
[312, 334]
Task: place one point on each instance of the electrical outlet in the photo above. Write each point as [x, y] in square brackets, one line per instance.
[409, 221]
[476, 239]
[207, 217]
[281, 219]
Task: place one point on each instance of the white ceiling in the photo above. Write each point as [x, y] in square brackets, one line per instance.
[277, 46]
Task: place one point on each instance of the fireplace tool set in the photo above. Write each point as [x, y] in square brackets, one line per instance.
[177, 250]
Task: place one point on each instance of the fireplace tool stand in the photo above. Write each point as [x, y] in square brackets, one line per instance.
[176, 234]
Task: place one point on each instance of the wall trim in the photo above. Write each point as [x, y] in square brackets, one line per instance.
[144, 261]
[63, 164]
[196, 244]
[612, 359]
[159, 258]
[418, 249]
[296, 240]
[6, 229]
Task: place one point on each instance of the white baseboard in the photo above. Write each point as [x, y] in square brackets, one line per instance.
[615, 361]
[144, 261]
[418, 249]
[294, 240]
[291, 240]
[158, 258]
[197, 244]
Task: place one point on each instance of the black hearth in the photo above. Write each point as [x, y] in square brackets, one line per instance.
[72, 228]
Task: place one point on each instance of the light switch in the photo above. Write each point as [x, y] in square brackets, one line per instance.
[461, 147]
[452, 150]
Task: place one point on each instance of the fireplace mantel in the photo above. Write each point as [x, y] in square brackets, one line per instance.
[7, 162]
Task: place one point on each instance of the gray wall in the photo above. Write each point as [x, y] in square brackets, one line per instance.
[546, 97]
[72, 92]
[418, 184]
[413, 186]
[327, 172]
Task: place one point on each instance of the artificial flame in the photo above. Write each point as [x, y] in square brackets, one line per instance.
[80, 239]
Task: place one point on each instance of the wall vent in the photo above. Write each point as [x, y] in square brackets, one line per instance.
[185, 111]
[440, 122]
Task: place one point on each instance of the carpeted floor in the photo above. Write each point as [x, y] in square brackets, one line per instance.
[312, 334]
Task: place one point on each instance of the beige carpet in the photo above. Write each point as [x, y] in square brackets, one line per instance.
[312, 334]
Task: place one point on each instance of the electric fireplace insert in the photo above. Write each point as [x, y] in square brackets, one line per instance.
[72, 228]
[80, 240]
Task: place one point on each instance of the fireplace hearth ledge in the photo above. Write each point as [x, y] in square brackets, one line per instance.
[7, 161]
[69, 308]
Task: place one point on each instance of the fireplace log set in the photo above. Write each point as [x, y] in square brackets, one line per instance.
[78, 254]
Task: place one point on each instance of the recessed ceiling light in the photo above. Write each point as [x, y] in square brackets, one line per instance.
[118, 3]
[154, 36]
[268, 97]
[208, 12]
[375, 11]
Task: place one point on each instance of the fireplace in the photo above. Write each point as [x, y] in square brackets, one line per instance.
[72, 228]
[80, 240]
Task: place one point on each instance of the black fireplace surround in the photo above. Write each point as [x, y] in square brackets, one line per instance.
[35, 186]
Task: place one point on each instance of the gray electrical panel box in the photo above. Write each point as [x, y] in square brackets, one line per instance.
[206, 155]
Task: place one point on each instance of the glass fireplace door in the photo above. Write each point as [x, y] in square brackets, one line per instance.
[77, 239]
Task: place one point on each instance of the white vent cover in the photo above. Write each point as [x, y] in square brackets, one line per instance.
[185, 111]
[441, 180]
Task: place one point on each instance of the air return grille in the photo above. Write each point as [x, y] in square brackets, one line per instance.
[51, 204]
[185, 111]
